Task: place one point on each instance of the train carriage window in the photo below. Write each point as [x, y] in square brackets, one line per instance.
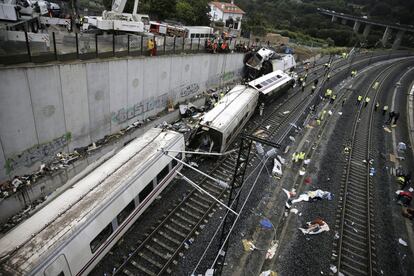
[175, 162]
[125, 212]
[145, 192]
[162, 174]
[101, 238]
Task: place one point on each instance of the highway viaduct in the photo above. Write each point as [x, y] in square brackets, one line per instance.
[368, 23]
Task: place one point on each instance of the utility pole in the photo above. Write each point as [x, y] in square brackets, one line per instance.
[238, 180]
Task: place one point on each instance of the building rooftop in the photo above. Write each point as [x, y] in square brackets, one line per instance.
[227, 7]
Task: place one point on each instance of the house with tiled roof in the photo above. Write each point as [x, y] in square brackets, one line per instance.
[228, 13]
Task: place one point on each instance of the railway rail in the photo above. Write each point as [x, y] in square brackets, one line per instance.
[156, 254]
[356, 244]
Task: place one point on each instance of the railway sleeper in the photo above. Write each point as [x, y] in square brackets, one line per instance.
[175, 231]
[351, 243]
[176, 222]
[150, 260]
[354, 237]
[361, 254]
[163, 245]
[356, 212]
[190, 221]
[199, 203]
[127, 272]
[350, 268]
[211, 188]
[141, 268]
[195, 208]
[201, 197]
[155, 251]
[168, 237]
[355, 219]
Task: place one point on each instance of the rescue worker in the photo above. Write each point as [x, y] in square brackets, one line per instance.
[359, 100]
[367, 99]
[328, 77]
[303, 86]
[353, 73]
[150, 46]
[328, 93]
[322, 115]
[401, 180]
[343, 101]
[376, 106]
[390, 117]
[221, 95]
[396, 116]
[313, 89]
[261, 108]
[333, 98]
[301, 156]
[384, 109]
[347, 150]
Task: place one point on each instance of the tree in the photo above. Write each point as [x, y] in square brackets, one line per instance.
[185, 12]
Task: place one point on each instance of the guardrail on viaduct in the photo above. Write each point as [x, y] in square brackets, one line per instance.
[20, 47]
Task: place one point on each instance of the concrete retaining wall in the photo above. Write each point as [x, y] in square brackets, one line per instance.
[50, 108]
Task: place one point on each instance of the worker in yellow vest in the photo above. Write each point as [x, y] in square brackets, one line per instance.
[359, 100]
[384, 109]
[367, 99]
[328, 93]
[333, 98]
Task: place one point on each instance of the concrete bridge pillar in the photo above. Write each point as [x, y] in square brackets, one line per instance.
[367, 29]
[398, 38]
[385, 36]
[334, 18]
[343, 21]
[357, 24]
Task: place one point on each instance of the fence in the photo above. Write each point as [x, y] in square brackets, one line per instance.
[19, 47]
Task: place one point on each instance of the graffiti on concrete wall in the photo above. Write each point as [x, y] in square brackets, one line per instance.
[140, 108]
[189, 90]
[37, 153]
[124, 114]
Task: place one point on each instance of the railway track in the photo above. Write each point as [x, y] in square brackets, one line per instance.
[158, 252]
[356, 244]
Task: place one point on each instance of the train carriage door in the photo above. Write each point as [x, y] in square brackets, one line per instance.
[59, 267]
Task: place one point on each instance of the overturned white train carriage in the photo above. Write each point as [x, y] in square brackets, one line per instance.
[220, 126]
[74, 231]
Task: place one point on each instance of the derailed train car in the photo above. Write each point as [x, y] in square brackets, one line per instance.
[74, 231]
[220, 126]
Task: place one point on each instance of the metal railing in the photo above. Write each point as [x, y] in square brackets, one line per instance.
[21, 47]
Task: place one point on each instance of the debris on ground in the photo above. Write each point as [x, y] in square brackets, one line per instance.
[313, 195]
[402, 242]
[333, 268]
[193, 164]
[387, 129]
[314, 227]
[272, 250]
[294, 210]
[277, 167]
[308, 180]
[248, 245]
[408, 213]
[401, 147]
[266, 223]
[285, 112]
[268, 273]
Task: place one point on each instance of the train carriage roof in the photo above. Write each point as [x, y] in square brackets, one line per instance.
[63, 215]
[270, 82]
[230, 105]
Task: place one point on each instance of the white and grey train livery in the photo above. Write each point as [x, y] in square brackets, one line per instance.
[74, 231]
[220, 126]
